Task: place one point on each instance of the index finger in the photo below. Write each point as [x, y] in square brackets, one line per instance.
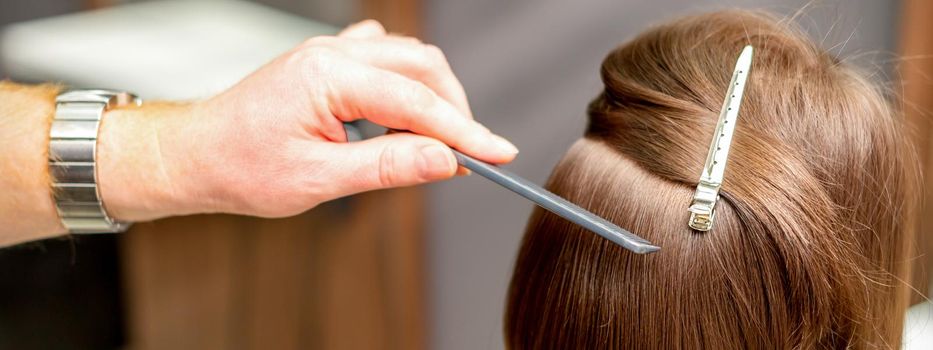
[421, 62]
[395, 101]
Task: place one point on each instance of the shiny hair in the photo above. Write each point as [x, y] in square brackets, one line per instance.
[812, 232]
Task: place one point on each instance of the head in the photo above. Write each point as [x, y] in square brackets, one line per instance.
[811, 234]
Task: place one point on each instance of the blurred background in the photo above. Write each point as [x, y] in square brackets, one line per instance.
[411, 268]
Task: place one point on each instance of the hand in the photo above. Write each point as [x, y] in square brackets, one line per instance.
[274, 144]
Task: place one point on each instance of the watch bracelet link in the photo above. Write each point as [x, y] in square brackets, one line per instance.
[73, 159]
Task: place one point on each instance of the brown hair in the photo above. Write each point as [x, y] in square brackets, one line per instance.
[811, 236]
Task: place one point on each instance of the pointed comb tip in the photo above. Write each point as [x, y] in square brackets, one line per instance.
[745, 58]
[648, 249]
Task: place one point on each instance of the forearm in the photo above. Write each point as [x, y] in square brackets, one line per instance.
[27, 211]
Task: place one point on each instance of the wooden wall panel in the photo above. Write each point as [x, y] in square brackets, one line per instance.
[345, 275]
[180, 277]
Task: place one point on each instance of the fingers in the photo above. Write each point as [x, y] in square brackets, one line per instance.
[394, 101]
[401, 83]
[417, 61]
[365, 29]
[394, 160]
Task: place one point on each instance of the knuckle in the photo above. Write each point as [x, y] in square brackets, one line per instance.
[372, 23]
[434, 52]
[319, 53]
[406, 39]
[317, 58]
[435, 56]
[421, 99]
[388, 161]
[321, 40]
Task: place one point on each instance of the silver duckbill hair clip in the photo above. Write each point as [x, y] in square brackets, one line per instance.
[703, 208]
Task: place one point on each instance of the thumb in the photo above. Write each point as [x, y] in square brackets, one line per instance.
[393, 160]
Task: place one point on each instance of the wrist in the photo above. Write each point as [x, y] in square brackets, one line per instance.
[143, 170]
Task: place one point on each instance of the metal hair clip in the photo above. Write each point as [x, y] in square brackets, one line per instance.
[702, 210]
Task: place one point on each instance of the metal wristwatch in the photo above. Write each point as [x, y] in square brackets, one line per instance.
[73, 159]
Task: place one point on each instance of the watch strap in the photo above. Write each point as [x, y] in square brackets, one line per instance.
[73, 159]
